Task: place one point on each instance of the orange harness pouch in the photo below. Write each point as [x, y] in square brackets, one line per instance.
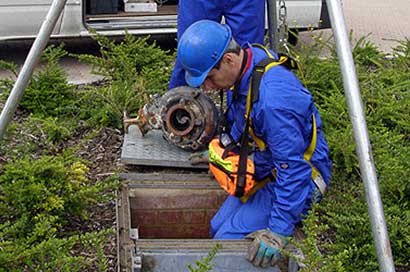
[224, 165]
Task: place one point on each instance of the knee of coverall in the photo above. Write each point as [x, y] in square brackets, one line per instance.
[238, 220]
[315, 196]
[229, 206]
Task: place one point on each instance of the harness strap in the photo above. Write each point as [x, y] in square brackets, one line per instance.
[287, 61]
[253, 95]
[307, 156]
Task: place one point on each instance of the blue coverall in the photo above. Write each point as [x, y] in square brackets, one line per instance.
[245, 17]
[282, 118]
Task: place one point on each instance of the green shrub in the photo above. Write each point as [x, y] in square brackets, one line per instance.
[38, 199]
[131, 57]
[75, 253]
[312, 257]
[385, 85]
[9, 66]
[50, 128]
[17, 142]
[49, 93]
[134, 69]
[6, 84]
[107, 104]
[36, 136]
[43, 190]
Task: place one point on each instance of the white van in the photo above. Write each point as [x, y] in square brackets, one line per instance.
[21, 19]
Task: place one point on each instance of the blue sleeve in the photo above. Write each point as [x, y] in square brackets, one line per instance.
[284, 135]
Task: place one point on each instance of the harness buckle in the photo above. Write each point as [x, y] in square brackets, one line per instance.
[320, 183]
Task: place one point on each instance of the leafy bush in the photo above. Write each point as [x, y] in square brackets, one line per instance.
[131, 57]
[57, 254]
[38, 199]
[107, 104]
[47, 189]
[9, 66]
[385, 84]
[36, 136]
[133, 69]
[50, 128]
[6, 84]
[17, 142]
[312, 258]
[49, 93]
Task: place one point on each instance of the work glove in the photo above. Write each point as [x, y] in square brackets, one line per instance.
[199, 158]
[265, 247]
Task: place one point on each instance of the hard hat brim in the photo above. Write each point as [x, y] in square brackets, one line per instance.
[196, 81]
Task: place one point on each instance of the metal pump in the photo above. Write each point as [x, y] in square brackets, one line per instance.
[187, 116]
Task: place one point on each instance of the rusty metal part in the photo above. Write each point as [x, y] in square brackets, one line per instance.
[139, 121]
[148, 116]
[190, 118]
[187, 116]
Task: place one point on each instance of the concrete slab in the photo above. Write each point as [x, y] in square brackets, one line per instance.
[78, 73]
[384, 22]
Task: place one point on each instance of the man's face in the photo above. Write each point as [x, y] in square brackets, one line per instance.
[222, 78]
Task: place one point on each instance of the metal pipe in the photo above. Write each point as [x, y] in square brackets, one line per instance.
[31, 61]
[272, 24]
[363, 147]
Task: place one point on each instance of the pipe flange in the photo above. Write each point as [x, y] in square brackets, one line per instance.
[190, 118]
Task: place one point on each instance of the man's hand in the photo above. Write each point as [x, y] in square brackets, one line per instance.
[265, 247]
[199, 157]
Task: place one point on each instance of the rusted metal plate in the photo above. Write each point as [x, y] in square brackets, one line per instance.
[153, 150]
[170, 180]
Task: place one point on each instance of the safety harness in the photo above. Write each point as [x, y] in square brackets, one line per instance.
[239, 183]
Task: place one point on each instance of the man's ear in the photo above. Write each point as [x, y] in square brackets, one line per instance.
[228, 58]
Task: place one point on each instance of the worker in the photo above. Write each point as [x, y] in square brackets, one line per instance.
[245, 17]
[283, 117]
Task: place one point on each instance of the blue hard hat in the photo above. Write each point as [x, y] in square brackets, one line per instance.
[200, 48]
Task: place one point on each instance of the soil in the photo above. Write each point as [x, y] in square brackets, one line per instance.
[103, 152]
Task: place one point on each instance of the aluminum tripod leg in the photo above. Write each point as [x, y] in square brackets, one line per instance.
[272, 24]
[363, 147]
[31, 61]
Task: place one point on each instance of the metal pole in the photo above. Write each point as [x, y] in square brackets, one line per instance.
[363, 147]
[272, 23]
[31, 61]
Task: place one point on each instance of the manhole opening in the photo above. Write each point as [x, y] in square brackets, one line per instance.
[168, 213]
